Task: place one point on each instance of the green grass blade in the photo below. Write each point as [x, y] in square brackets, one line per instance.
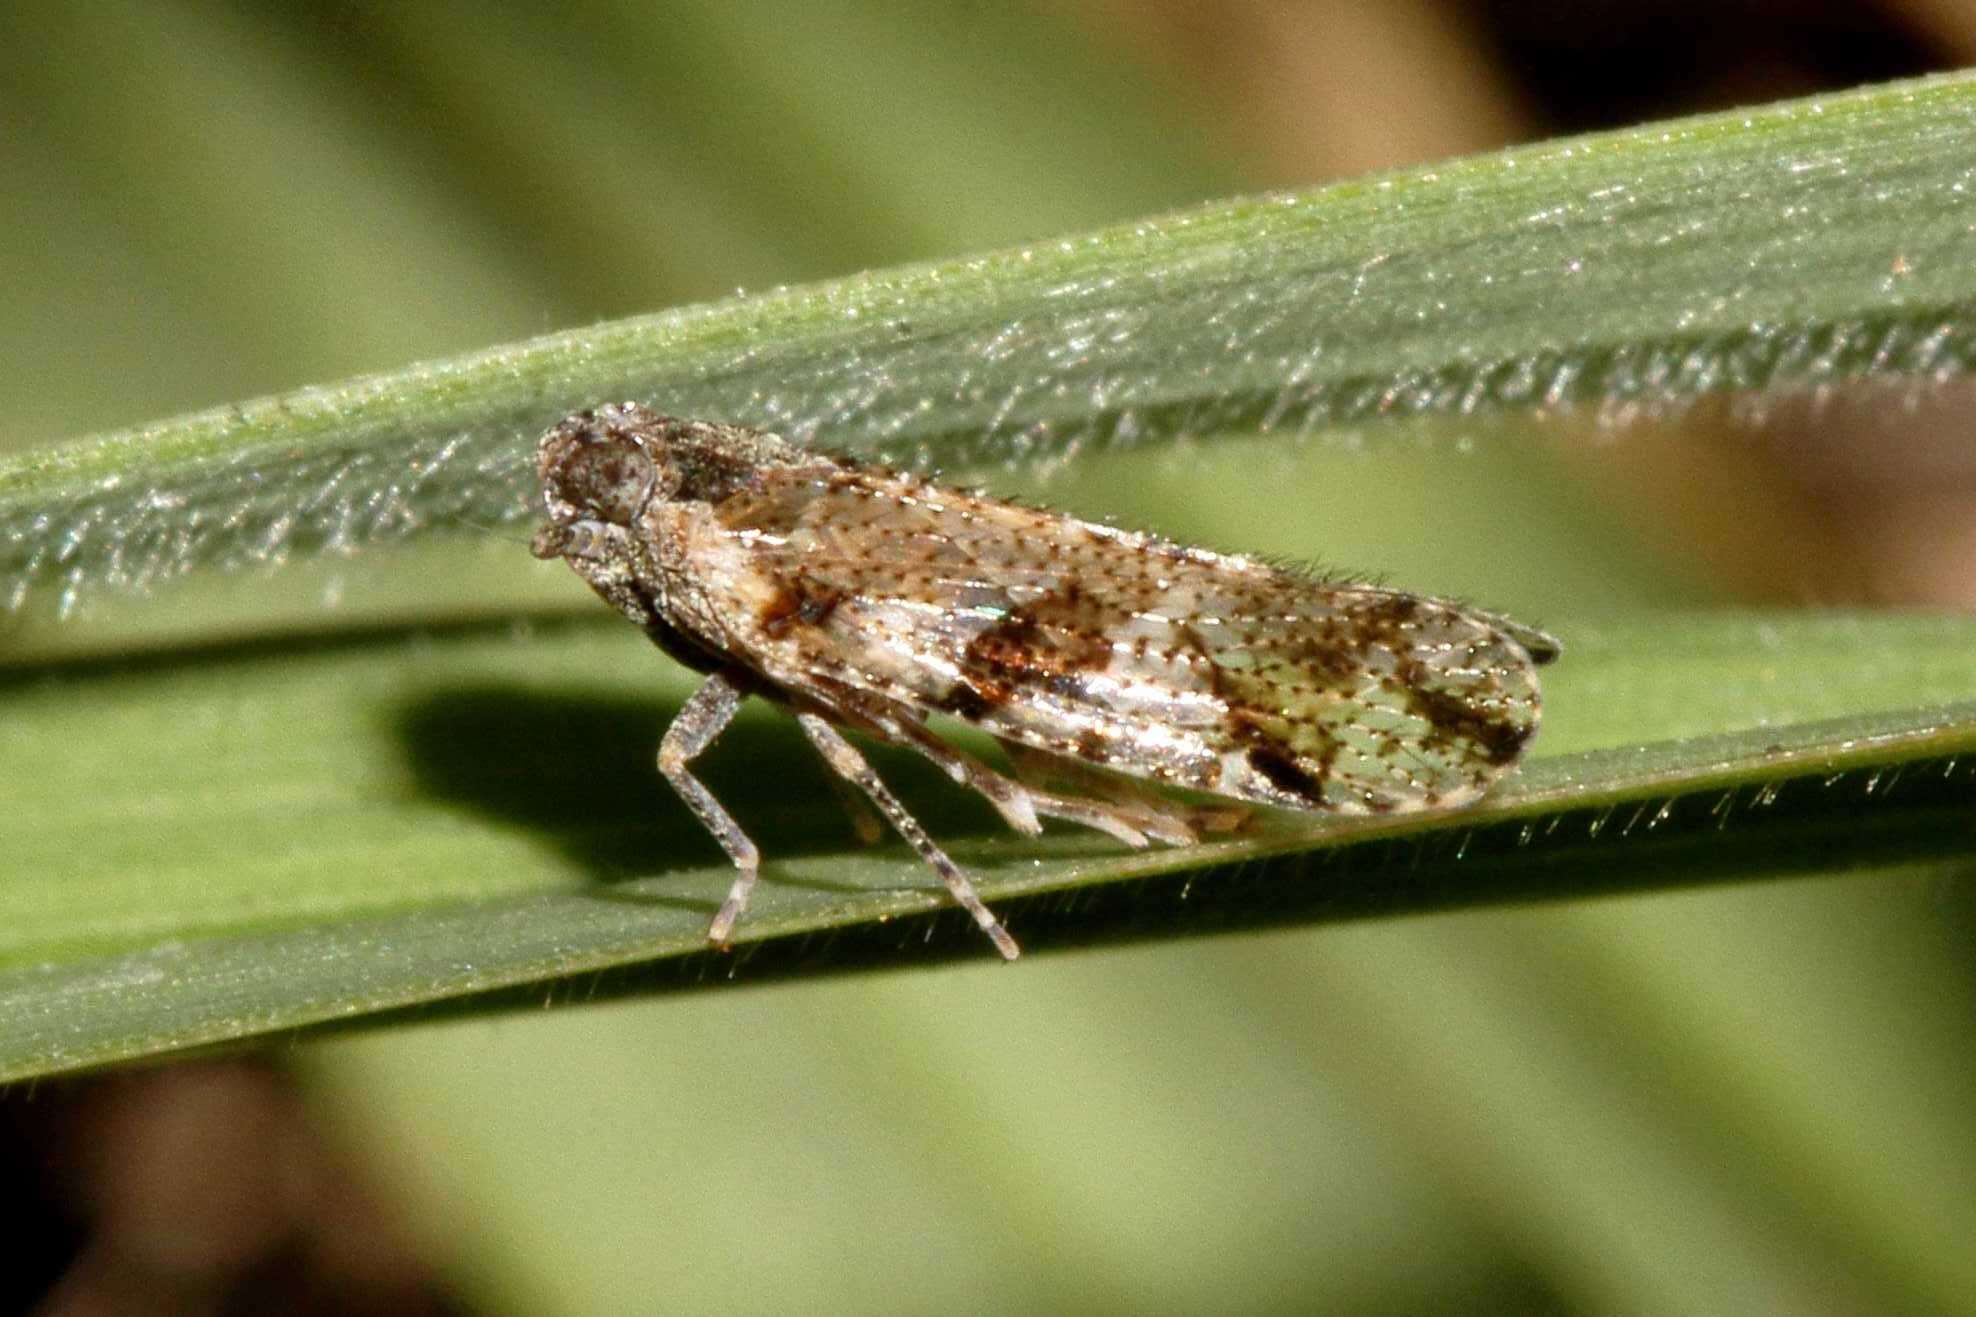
[1788, 248]
[487, 819]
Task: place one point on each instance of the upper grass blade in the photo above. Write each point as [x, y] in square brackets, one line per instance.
[1785, 249]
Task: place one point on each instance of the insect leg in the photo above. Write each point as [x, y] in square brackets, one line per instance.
[1038, 769]
[1130, 823]
[700, 720]
[903, 726]
[845, 760]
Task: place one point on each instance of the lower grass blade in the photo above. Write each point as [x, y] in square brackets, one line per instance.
[485, 826]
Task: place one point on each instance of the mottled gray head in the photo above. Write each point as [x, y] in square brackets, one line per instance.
[601, 468]
[599, 464]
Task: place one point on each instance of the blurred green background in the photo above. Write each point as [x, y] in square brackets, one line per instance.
[1730, 1100]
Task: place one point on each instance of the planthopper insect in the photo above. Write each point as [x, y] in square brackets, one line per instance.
[865, 598]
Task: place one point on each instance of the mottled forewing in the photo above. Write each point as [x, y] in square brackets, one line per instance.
[1206, 671]
[1361, 700]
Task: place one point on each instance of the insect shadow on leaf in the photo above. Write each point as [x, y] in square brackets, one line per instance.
[578, 770]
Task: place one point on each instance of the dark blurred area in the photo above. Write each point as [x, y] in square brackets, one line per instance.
[207, 1187]
[199, 1187]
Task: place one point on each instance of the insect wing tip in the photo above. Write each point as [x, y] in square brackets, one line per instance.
[1541, 646]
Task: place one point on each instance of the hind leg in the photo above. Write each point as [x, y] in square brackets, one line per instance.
[845, 760]
[1132, 822]
[1040, 769]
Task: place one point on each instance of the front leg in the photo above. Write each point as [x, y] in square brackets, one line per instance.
[700, 720]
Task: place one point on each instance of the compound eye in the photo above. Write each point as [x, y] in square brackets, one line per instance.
[605, 476]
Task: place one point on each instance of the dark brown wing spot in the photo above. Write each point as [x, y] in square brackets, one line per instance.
[1386, 615]
[1282, 769]
[799, 602]
[1047, 643]
[971, 703]
[1246, 726]
[1454, 720]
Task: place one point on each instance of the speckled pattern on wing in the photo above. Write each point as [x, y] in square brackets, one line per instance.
[1199, 669]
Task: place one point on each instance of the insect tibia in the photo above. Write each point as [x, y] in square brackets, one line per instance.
[845, 760]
